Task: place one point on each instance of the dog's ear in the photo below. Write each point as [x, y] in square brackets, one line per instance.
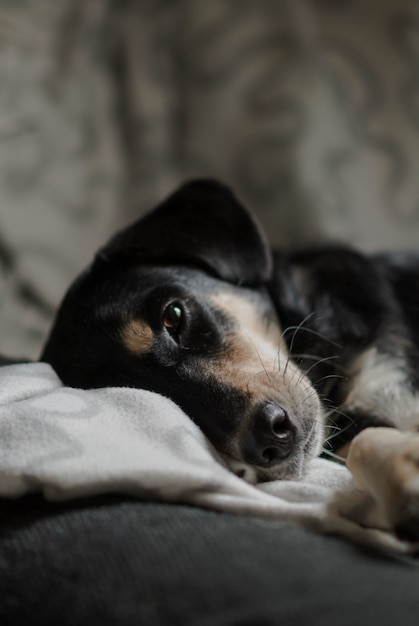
[201, 224]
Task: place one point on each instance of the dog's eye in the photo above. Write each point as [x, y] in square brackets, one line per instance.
[173, 317]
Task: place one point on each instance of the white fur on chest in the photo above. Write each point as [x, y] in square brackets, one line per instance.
[380, 387]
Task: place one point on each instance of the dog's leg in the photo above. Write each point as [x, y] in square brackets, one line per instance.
[385, 463]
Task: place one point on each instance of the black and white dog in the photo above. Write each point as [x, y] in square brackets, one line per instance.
[265, 350]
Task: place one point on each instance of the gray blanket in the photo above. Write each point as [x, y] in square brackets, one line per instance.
[68, 443]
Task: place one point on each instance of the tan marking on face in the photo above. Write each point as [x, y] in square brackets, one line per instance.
[256, 358]
[256, 362]
[137, 337]
[262, 335]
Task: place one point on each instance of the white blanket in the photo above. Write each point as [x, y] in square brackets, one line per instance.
[68, 443]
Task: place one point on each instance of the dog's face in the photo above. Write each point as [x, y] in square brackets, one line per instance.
[176, 304]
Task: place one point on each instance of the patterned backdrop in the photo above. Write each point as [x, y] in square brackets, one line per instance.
[309, 108]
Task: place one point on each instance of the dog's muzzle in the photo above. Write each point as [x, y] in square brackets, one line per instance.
[270, 438]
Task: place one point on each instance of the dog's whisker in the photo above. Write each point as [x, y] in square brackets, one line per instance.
[297, 328]
[286, 366]
[340, 430]
[300, 378]
[313, 332]
[338, 411]
[288, 328]
[329, 376]
[319, 359]
[322, 360]
[331, 427]
[334, 456]
[330, 423]
[304, 355]
[278, 358]
[260, 358]
[334, 409]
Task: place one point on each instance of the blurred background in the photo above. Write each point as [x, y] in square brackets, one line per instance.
[308, 108]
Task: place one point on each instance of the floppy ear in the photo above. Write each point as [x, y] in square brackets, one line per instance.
[201, 224]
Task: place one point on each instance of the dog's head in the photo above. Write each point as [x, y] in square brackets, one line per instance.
[177, 304]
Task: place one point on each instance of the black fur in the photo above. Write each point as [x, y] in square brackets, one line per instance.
[200, 225]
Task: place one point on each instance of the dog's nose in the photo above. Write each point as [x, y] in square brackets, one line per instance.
[270, 438]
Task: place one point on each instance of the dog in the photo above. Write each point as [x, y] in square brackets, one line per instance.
[275, 355]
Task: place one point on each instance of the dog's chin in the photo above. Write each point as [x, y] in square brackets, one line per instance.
[242, 470]
[290, 469]
[293, 469]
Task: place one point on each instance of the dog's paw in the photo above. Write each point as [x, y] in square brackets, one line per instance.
[405, 517]
[385, 462]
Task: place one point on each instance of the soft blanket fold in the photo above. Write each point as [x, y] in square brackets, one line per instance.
[68, 443]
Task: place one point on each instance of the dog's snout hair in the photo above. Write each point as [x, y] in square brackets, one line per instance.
[257, 363]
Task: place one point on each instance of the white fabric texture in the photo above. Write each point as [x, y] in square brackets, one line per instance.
[68, 443]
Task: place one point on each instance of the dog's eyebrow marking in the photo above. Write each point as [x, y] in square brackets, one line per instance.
[260, 331]
[255, 344]
[137, 337]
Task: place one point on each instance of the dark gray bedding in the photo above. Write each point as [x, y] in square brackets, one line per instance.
[114, 561]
